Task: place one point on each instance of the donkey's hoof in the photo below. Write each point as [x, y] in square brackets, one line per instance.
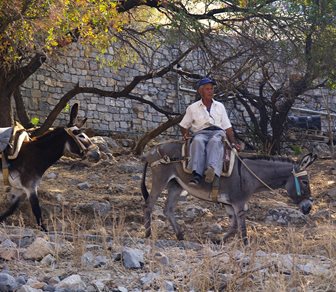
[217, 241]
[43, 228]
[148, 234]
[180, 236]
[229, 234]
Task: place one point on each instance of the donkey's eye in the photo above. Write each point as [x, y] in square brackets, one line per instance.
[76, 132]
[81, 136]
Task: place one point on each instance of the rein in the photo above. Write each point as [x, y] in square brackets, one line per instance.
[251, 171]
[295, 174]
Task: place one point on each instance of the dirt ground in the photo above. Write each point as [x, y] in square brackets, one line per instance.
[118, 182]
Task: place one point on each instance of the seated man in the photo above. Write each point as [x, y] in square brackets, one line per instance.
[209, 123]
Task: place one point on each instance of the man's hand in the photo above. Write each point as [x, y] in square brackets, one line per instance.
[186, 136]
[230, 136]
[236, 146]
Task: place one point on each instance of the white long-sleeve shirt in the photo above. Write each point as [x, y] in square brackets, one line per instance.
[198, 118]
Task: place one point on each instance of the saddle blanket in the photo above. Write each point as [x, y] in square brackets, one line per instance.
[5, 136]
[229, 160]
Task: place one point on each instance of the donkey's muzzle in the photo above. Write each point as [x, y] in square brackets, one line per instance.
[306, 206]
[93, 154]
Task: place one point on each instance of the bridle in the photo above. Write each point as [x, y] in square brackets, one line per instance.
[83, 149]
[297, 175]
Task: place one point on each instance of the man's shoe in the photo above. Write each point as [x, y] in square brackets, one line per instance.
[196, 179]
[209, 174]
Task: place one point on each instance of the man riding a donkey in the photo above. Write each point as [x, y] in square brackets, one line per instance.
[210, 125]
[232, 186]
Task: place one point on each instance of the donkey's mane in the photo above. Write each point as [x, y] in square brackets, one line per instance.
[271, 158]
[47, 135]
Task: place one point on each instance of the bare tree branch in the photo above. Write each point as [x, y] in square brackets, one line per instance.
[18, 76]
[77, 90]
[139, 147]
[21, 109]
[151, 75]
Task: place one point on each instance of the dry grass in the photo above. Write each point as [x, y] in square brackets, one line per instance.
[229, 267]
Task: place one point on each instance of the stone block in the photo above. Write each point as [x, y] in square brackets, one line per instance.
[92, 107]
[108, 117]
[124, 110]
[120, 103]
[35, 93]
[94, 99]
[123, 125]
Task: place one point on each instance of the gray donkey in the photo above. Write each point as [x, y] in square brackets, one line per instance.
[249, 175]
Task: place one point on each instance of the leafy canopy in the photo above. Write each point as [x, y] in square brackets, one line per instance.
[31, 26]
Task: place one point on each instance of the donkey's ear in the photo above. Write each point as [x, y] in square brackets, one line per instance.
[307, 160]
[73, 115]
[80, 124]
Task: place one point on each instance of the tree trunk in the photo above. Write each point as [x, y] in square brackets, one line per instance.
[6, 114]
[21, 109]
[278, 124]
[10, 80]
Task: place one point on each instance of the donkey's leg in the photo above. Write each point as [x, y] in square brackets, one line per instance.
[157, 188]
[174, 192]
[241, 219]
[233, 222]
[35, 205]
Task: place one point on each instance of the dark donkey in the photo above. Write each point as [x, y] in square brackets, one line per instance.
[249, 175]
[38, 154]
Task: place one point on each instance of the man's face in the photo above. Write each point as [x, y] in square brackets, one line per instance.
[206, 91]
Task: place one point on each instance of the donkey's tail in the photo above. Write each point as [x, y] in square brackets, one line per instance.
[144, 190]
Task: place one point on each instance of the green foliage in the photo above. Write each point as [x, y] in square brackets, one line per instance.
[46, 26]
[35, 121]
[297, 150]
[66, 108]
[331, 84]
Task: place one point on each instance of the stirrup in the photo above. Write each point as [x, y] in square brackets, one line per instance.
[196, 179]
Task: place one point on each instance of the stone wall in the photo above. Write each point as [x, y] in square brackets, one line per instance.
[108, 115]
[45, 88]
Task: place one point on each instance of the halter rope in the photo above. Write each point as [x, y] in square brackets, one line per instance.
[249, 169]
[296, 175]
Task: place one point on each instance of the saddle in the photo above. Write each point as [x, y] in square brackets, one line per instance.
[11, 140]
[228, 162]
